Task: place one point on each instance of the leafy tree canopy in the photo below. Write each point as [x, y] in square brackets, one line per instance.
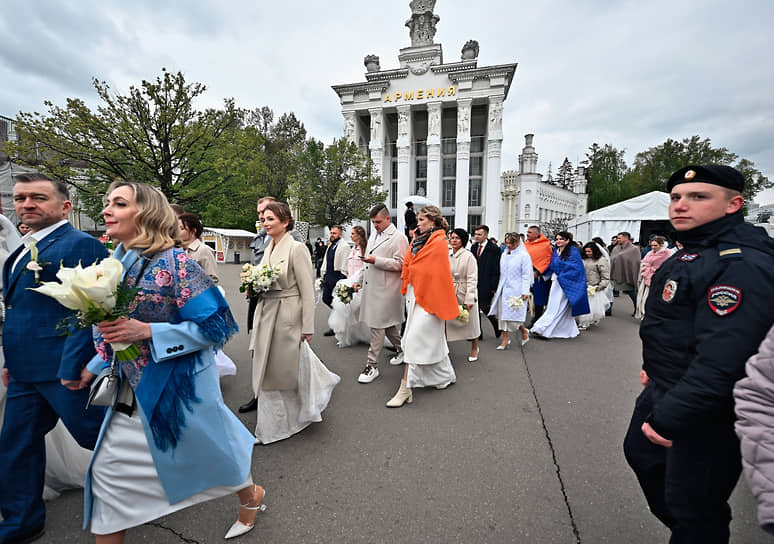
[152, 134]
[335, 184]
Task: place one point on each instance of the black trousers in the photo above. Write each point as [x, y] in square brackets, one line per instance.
[688, 485]
[252, 302]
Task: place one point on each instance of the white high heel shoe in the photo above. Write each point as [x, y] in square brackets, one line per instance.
[506, 346]
[239, 528]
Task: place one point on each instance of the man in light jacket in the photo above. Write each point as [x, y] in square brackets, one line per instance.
[382, 305]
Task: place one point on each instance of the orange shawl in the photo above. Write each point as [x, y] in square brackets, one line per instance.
[429, 273]
[540, 252]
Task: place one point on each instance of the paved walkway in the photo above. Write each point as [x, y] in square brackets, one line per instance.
[526, 447]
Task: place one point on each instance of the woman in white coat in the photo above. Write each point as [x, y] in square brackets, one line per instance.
[515, 282]
[464, 270]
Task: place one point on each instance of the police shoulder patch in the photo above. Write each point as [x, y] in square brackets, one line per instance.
[724, 299]
[689, 257]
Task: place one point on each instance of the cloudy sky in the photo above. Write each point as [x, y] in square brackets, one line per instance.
[628, 73]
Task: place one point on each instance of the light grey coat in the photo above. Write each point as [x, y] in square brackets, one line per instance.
[382, 304]
[754, 396]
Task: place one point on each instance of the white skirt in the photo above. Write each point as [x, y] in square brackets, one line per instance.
[281, 414]
[509, 326]
[557, 321]
[125, 484]
[343, 320]
[424, 346]
[597, 304]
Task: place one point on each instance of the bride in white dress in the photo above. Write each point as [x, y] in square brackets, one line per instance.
[344, 318]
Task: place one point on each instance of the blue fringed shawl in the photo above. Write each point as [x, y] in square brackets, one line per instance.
[572, 278]
[174, 289]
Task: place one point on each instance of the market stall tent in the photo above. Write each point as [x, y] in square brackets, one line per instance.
[640, 216]
[234, 243]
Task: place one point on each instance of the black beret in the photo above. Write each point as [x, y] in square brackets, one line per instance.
[463, 234]
[716, 174]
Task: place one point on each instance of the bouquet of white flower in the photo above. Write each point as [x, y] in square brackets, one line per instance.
[464, 315]
[258, 279]
[96, 293]
[344, 292]
[318, 285]
[516, 303]
[591, 290]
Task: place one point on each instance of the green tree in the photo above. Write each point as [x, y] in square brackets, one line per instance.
[152, 134]
[335, 184]
[281, 146]
[565, 174]
[652, 167]
[607, 176]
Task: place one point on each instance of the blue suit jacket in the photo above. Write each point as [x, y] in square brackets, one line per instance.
[34, 350]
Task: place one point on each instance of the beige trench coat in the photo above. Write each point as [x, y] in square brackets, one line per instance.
[283, 314]
[382, 304]
[464, 269]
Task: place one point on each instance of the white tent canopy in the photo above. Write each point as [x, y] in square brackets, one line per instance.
[626, 216]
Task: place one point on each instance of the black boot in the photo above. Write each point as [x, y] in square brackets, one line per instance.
[248, 406]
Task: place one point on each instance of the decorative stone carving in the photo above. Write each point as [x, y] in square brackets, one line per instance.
[495, 116]
[463, 119]
[403, 123]
[422, 23]
[470, 50]
[422, 68]
[349, 126]
[434, 120]
[371, 63]
[376, 129]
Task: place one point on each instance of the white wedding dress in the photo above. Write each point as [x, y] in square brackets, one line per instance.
[343, 319]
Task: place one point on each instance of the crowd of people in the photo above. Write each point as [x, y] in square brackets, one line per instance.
[158, 447]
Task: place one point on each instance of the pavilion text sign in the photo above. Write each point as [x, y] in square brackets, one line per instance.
[420, 94]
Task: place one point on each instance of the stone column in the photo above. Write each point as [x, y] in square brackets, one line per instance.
[434, 152]
[463, 163]
[404, 160]
[376, 146]
[492, 211]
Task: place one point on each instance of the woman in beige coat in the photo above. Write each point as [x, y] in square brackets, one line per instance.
[283, 319]
[464, 271]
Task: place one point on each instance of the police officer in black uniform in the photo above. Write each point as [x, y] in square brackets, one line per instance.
[708, 310]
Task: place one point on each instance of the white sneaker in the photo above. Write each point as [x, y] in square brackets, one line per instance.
[369, 374]
[398, 359]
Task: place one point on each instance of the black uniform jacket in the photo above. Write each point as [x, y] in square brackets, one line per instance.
[488, 271]
[710, 306]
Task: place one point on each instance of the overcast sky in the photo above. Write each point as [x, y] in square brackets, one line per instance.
[628, 73]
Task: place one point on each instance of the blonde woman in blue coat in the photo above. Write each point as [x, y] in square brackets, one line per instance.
[179, 444]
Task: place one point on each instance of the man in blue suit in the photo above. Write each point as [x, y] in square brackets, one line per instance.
[42, 368]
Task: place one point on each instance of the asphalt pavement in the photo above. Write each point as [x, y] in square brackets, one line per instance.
[525, 447]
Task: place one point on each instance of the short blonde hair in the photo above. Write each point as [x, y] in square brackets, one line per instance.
[157, 226]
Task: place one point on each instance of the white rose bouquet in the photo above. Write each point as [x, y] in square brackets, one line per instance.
[96, 293]
[516, 303]
[591, 290]
[344, 292]
[258, 279]
[464, 315]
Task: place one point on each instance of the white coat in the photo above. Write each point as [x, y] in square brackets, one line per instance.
[515, 280]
